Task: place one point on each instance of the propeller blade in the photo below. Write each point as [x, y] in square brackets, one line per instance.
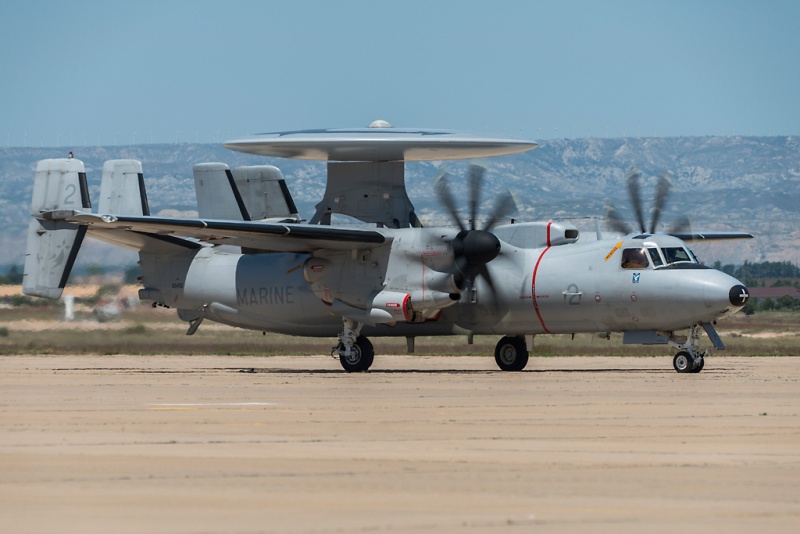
[636, 197]
[662, 193]
[503, 207]
[682, 225]
[461, 274]
[488, 277]
[476, 173]
[616, 221]
[442, 189]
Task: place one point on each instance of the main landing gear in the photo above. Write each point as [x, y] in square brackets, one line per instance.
[511, 353]
[359, 358]
[356, 353]
[691, 357]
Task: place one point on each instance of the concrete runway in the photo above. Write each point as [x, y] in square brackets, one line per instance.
[101, 444]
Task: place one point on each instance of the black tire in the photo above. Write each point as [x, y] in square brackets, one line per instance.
[698, 365]
[361, 356]
[511, 353]
[683, 362]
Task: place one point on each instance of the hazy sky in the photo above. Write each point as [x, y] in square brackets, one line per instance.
[110, 72]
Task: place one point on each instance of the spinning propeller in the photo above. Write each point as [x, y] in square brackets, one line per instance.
[473, 248]
[617, 222]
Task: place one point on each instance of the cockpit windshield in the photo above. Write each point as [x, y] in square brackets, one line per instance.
[655, 257]
[677, 255]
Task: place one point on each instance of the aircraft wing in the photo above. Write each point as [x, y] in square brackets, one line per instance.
[690, 237]
[283, 237]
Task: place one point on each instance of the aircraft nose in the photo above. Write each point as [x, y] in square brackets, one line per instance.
[724, 293]
[738, 295]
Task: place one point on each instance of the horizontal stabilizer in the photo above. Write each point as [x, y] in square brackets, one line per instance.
[122, 189]
[52, 246]
[256, 235]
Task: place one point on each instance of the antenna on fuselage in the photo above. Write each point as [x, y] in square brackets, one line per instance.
[597, 229]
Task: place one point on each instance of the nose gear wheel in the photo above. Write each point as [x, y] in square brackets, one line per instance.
[691, 357]
[683, 362]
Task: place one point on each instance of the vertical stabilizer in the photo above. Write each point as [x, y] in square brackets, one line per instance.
[253, 193]
[60, 185]
[122, 189]
[265, 192]
[217, 194]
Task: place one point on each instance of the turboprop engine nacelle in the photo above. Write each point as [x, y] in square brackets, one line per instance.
[538, 234]
[392, 307]
[395, 303]
[387, 307]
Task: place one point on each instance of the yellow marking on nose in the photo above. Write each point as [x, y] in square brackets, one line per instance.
[613, 250]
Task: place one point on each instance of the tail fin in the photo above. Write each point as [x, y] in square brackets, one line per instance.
[265, 192]
[122, 189]
[60, 185]
[246, 194]
[122, 192]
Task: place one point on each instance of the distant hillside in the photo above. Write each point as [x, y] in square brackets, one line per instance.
[722, 183]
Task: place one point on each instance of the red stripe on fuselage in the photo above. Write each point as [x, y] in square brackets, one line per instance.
[533, 280]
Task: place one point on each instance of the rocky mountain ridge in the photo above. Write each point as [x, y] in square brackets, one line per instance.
[722, 183]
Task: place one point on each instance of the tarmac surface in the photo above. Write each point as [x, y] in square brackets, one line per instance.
[99, 444]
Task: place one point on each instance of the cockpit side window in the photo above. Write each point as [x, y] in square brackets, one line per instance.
[655, 257]
[676, 254]
[634, 258]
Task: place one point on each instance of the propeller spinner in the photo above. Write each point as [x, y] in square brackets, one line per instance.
[473, 248]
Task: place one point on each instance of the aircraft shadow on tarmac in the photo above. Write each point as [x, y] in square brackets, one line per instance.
[288, 371]
[445, 371]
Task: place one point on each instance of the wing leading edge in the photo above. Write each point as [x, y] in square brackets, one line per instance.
[281, 237]
[691, 237]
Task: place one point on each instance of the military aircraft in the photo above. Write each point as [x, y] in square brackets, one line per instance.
[394, 277]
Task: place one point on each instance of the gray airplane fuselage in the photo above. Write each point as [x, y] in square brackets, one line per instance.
[568, 288]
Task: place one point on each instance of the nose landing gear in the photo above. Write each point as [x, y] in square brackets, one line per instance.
[685, 362]
[691, 357]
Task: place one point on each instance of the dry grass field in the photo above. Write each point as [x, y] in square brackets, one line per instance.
[144, 330]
